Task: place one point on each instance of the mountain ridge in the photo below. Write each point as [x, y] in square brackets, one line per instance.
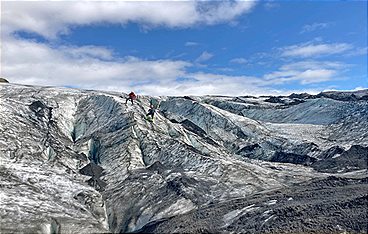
[199, 151]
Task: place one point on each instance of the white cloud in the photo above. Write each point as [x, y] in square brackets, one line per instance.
[310, 50]
[50, 18]
[38, 64]
[314, 27]
[201, 83]
[312, 64]
[304, 77]
[269, 5]
[191, 43]
[222, 11]
[358, 51]
[84, 52]
[91, 67]
[316, 76]
[239, 61]
[204, 57]
[306, 72]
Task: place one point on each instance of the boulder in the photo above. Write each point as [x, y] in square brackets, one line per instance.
[3, 80]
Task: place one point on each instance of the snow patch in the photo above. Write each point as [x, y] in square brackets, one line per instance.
[271, 202]
[181, 206]
[230, 217]
[269, 218]
[267, 212]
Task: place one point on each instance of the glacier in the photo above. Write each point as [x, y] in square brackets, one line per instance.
[83, 161]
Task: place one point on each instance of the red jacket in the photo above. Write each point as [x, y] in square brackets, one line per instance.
[132, 95]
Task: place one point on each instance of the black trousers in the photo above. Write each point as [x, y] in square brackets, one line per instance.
[151, 113]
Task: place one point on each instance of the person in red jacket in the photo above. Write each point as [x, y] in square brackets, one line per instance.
[131, 97]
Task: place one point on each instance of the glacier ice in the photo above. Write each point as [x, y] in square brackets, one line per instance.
[83, 161]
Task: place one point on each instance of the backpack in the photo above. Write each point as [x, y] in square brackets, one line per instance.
[154, 103]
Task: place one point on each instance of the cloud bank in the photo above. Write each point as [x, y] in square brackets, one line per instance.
[306, 72]
[93, 67]
[50, 19]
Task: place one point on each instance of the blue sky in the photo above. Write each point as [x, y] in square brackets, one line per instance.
[180, 48]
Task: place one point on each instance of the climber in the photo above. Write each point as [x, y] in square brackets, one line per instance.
[154, 103]
[131, 97]
[151, 112]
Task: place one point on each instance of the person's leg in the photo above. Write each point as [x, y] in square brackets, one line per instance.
[150, 114]
[126, 100]
[131, 100]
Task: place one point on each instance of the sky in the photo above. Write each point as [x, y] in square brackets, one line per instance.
[186, 47]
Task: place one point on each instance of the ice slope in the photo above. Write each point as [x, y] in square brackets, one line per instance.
[84, 161]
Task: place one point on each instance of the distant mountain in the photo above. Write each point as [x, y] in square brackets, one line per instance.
[82, 161]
